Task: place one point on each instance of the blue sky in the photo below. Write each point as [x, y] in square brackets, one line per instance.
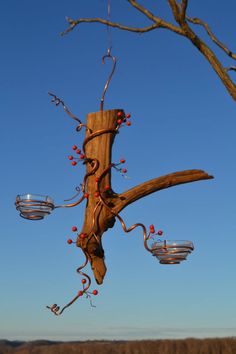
[182, 118]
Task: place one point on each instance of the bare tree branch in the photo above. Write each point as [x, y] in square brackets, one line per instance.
[74, 23]
[203, 47]
[179, 12]
[159, 23]
[175, 9]
[233, 68]
[183, 8]
[143, 10]
[197, 21]
[157, 20]
[212, 59]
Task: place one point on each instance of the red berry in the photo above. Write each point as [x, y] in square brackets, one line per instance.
[70, 157]
[78, 151]
[124, 170]
[73, 163]
[80, 293]
[86, 195]
[82, 156]
[120, 114]
[74, 147]
[83, 281]
[107, 188]
[69, 241]
[128, 123]
[96, 194]
[95, 292]
[122, 160]
[97, 179]
[83, 236]
[128, 115]
[74, 228]
[160, 232]
[152, 229]
[119, 121]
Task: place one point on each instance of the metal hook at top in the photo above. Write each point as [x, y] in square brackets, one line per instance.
[108, 55]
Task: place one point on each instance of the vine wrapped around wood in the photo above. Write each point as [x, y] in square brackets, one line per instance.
[98, 218]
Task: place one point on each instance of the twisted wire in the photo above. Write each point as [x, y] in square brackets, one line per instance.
[132, 227]
[108, 27]
[97, 133]
[78, 190]
[108, 56]
[95, 165]
[90, 233]
[58, 101]
[55, 308]
[83, 186]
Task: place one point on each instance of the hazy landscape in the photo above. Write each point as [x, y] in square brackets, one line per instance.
[180, 346]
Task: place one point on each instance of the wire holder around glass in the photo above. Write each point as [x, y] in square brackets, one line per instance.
[172, 251]
[33, 206]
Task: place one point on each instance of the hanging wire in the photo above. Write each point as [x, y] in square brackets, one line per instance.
[109, 36]
[108, 55]
[58, 101]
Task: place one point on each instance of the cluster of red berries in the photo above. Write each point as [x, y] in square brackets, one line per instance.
[106, 188]
[123, 118]
[73, 159]
[82, 235]
[121, 170]
[82, 292]
[152, 231]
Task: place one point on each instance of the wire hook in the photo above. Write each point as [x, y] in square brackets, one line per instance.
[108, 55]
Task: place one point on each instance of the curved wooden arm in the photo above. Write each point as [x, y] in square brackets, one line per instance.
[156, 184]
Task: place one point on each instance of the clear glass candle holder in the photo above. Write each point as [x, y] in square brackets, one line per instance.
[172, 251]
[34, 206]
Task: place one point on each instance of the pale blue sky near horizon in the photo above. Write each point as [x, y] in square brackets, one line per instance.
[182, 118]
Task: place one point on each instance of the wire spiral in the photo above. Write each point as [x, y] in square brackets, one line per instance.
[146, 236]
[56, 309]
[58, 101]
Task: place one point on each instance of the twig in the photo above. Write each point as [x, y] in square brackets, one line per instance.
[158, 24]
[156, 19]
[182, 28]
[197, 21]
[233, 68]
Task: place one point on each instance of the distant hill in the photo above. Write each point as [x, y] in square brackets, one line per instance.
[172, 346]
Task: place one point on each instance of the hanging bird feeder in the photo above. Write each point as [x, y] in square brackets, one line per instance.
[102, 204]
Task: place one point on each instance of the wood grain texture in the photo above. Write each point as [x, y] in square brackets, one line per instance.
[99, 148]
[98, 217]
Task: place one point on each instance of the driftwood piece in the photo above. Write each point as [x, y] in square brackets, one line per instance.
[99, 148]
[98, 218]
